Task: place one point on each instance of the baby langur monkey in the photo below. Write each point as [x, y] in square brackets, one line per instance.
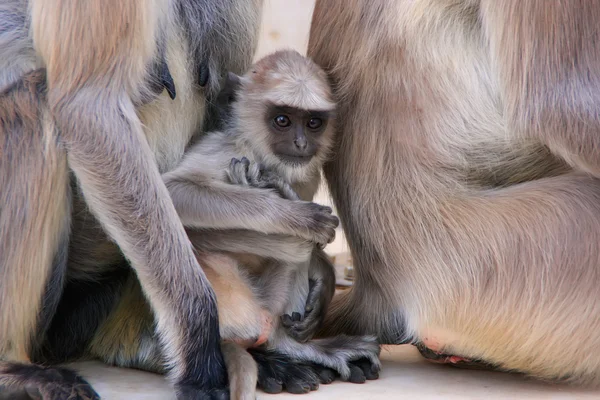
[276, 138]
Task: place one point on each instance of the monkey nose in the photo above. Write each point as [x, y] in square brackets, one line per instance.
[300, 143]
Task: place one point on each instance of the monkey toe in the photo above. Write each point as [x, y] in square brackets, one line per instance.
[326, 375]
[294, 386]
[270, 385]
[356, 374]
[300, 379]
[370, 370]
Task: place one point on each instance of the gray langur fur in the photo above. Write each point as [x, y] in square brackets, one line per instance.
[257, 174]
[466, 174]
[86, 128]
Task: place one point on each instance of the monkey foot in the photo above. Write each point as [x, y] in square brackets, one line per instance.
[26, 381]
[453, 360]
[278, 373]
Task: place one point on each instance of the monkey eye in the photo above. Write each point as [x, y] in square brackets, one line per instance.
[315, 123]
[282, 121]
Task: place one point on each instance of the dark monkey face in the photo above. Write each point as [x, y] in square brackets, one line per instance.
[295, 134]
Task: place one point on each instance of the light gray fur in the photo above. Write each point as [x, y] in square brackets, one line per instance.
[224, 173]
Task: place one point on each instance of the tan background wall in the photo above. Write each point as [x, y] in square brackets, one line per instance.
[286, 24]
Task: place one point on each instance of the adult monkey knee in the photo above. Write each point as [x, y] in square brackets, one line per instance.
[99, 57]
[454, 184]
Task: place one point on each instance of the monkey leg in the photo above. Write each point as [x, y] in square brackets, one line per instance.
[125, 334]
[85, 305]
[242, 319]
[34, 229]
[303, 325]
[91, 94]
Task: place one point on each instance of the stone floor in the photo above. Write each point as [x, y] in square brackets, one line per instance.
[405, 375]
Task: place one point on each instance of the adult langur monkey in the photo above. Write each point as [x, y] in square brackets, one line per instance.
[466, 177]
[82, 92]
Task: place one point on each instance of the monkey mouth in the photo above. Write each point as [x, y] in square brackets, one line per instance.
[295, 160]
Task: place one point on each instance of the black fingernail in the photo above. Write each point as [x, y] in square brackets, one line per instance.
[203, 74]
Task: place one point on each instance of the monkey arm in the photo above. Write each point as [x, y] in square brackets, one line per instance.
[206, 203]
[283, 248]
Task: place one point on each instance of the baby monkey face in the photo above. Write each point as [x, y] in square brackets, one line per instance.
[295, 133]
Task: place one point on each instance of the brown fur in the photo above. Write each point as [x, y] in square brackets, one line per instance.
[465, 132]
[37, 163]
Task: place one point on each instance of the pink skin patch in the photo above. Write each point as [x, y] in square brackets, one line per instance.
[266, 331]
[267, 328]
[435, 343]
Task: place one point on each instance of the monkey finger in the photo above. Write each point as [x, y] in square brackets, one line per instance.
[231, 171]
[167, 80]
[287, 321]
[254, 175]
[327, 209]
[237, 172]
[332, 238]
[203, 74]
[246, 162]
[296, 316]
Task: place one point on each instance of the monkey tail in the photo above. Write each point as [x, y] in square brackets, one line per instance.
[242, 371]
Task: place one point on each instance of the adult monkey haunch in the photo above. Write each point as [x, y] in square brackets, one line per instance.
[465, 129]
[97, 105]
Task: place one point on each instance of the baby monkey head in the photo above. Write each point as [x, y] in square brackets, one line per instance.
[284, 109]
